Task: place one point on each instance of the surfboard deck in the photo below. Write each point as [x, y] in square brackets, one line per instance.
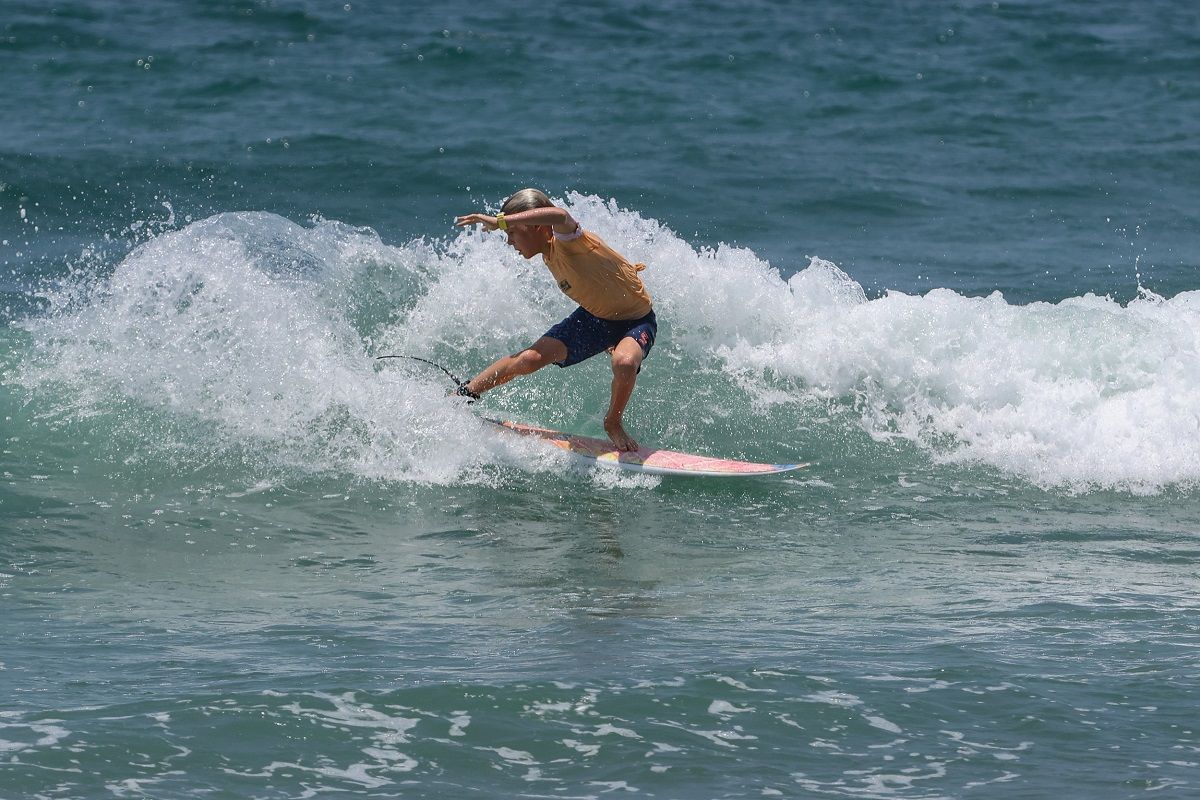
[657, 462]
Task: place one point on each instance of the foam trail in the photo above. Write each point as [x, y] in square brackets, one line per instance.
[240, 322]
[265, 331]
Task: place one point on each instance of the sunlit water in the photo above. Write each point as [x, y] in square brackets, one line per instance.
[240, 556]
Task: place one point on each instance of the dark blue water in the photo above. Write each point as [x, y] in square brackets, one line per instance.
[946, 252]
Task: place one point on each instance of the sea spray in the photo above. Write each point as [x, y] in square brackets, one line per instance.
[266, 331]
[236, 323]
[1081, 394]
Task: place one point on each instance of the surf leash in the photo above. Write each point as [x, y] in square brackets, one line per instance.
[461, 391]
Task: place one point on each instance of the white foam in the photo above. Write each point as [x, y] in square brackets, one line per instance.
[264, 331]
[245, 324]
[1086, 393]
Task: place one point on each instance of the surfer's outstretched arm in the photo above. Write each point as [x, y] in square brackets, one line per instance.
[549, 216]
[545, 350]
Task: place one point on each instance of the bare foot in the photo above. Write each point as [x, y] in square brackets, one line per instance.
[620, 439]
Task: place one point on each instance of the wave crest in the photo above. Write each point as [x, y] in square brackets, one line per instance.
[265, 330]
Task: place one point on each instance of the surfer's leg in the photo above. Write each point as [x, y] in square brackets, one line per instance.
[626, 361]
[545, 350]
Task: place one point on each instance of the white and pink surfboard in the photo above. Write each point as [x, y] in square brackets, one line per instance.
[659, 462]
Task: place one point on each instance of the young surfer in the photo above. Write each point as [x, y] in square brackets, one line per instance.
[614, 311]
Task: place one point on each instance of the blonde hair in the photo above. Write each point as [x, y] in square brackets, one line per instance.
[524, 200]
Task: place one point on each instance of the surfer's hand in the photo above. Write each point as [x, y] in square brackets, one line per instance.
[487, 221]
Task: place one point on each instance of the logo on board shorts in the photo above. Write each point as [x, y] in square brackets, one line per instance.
[644, 338]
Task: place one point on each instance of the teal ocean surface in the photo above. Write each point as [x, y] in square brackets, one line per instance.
[946, 251]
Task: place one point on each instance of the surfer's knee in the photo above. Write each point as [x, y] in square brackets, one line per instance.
[531, 360]
[625, 364]
[546, 350]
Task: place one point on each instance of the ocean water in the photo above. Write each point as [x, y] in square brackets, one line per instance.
[947, 252]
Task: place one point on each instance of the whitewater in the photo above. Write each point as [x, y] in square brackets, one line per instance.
[247, 331]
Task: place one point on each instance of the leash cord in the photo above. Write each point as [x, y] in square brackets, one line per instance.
[462, 385]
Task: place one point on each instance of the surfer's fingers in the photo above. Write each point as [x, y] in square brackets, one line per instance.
[475, 219]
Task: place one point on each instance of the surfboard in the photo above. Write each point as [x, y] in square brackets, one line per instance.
[657, 462]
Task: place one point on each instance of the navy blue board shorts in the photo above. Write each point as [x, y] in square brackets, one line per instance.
[585, 334]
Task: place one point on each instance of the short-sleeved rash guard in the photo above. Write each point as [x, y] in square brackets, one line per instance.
[597, 277]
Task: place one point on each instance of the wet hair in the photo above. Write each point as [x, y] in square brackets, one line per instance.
[524, 200]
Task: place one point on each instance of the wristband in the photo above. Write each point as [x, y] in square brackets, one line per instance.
[501, 223]
[463, 391]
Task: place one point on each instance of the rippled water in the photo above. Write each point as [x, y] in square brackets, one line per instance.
[947, 254]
